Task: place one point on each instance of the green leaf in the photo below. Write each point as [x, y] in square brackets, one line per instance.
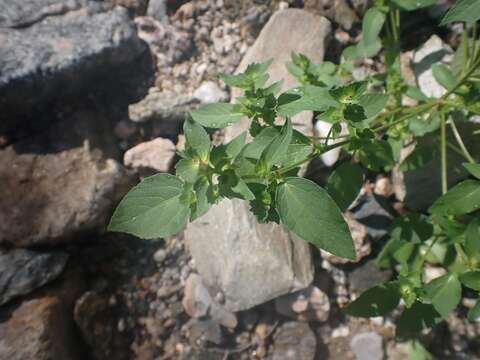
[376, 155]
[188, 170]
[348, 93]
[412, 227]
[471, 279]
[232, 186]
[228, 151]
[420, 126]
[197, 140]
[417, 318]
[241, 80]
[444, 76]
[203, 199]
[463, 10]
[418, 351]
[296, 153]
[308, 211]
[416, 94]
[376, 301]
[354, 113]
[307, 98]
[472, 240]
[461, 199]
[445, 293]
[217, 115]
[473, 169]
[276, 152]
[344, 184]
[254, 149]
[152, 209]
[410, 5]
[373, 103]
[474, 312]
[371, 26]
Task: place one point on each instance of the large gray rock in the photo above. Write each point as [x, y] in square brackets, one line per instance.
[59, 184]
[367, 346]
[249, 262]
[286, 31]
[54, 52]
[22, 271]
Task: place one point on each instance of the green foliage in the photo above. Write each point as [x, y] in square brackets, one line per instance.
[376, 301]
[464, 10]
[307, 210]
[371, 126]
[344, 184]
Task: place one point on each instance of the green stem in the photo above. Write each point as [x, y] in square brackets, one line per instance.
[425, 254]
[443, 149]
[418, 109]
[460, 141]
[310, 157]
[456, 149]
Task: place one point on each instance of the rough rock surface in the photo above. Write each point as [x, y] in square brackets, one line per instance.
[59, 184]
[42, 327]
[310, 304]
[157, 155]
[48, 45]
[286, 31]
[294, 341]
[22, 271]
[230, 249]
[367, 346]
[432, 52]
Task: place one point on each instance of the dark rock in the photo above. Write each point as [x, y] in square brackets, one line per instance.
[58, 184]
[42, 327]
[294, 341]
[375, 212]
[22, 271]
[77, 46]
[367, 276]
[96, 321]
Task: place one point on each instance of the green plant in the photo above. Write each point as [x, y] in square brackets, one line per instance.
[264, 170]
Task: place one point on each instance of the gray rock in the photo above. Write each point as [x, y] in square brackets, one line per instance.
[202, 331]
[432, 52]
[367, 346]
[166, 110]
[22, 271]
[156, 154]
[209, 92]
[419, 188]
[158, 10]
[286, 31]
[249, 262]
[60, 184]
[366, 276]
[375, 212]
[168, 43]
[310, 304]
[198, 303]
[294, 341]
[48, 45]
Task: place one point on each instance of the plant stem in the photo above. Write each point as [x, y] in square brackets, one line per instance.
[456, 149]
[460, 141]
[425, 254]
[443, 149]
[310, 157]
